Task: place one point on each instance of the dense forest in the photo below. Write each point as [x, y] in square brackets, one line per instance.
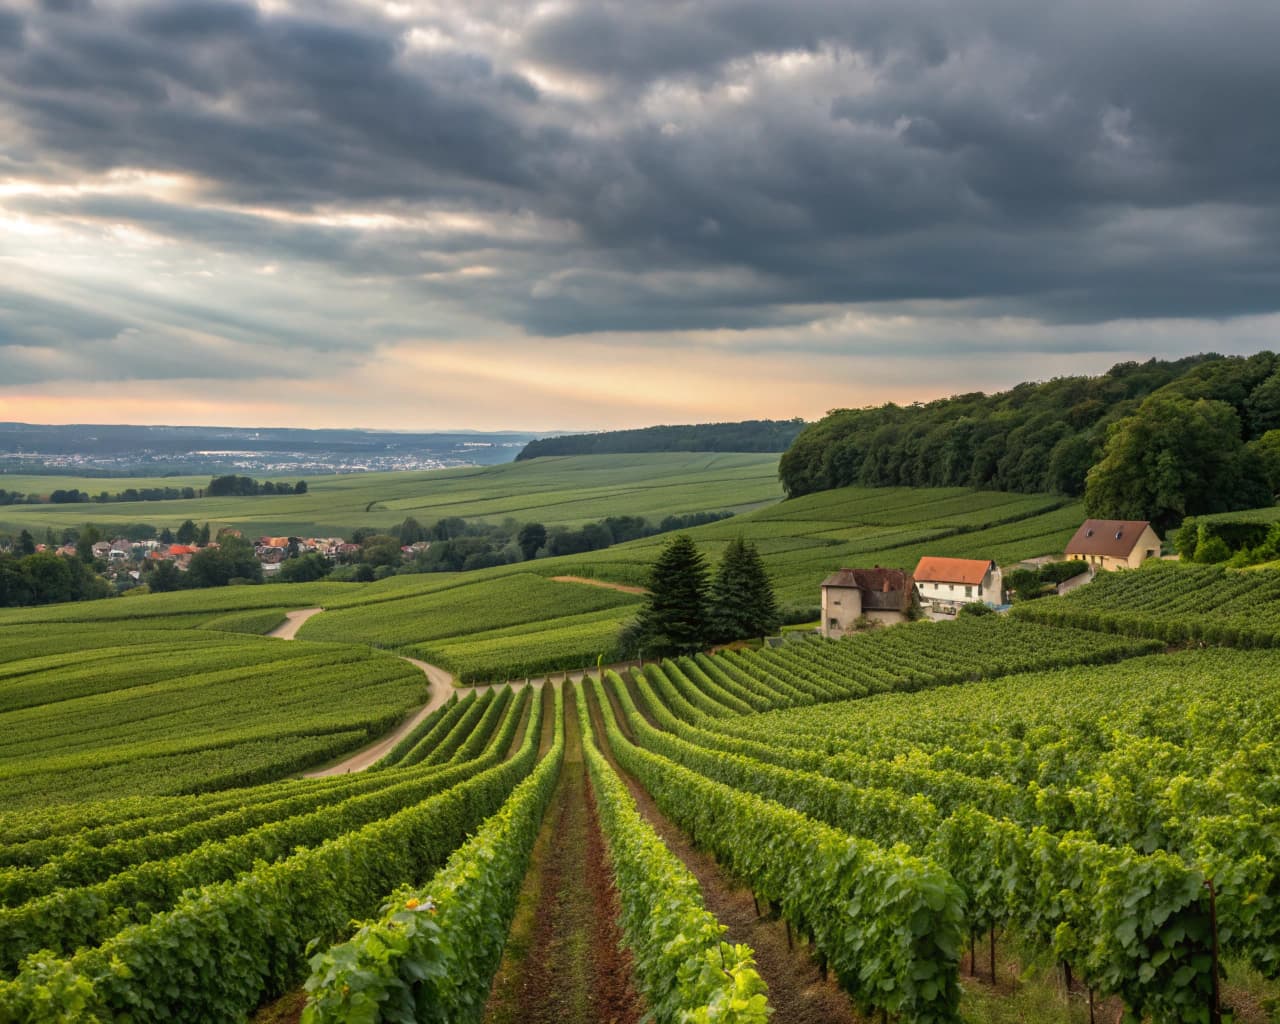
[747, 436]
[1155, 440]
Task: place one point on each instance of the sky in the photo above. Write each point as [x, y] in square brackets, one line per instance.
[601, 213]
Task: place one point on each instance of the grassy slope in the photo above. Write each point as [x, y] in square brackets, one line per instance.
[89, 710]
[556, 491]
[508, 623]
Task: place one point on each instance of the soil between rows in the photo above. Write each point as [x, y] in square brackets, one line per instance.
[564, 962]
[796, 989]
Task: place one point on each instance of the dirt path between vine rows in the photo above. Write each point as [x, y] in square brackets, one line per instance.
[623, 587]
[796, 989]
[288, 630]
[564, 963]
[441, 690]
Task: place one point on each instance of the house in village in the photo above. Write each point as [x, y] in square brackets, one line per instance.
[946, 584]
[1114, 543]
[875, 595]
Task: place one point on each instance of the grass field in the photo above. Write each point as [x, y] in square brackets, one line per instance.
[554, 491]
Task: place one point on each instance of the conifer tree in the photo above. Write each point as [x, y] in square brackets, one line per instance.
[674, 621]
[742, 603]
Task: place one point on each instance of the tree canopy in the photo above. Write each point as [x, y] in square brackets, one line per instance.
[1173, 458]
[674, 620]
[741, 601]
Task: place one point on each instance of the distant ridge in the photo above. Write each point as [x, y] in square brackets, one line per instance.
[743, 436]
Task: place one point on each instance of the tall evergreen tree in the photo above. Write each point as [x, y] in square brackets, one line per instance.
[674, 621]
[742, 603]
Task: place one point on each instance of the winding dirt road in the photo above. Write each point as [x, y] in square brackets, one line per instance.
[442, 688]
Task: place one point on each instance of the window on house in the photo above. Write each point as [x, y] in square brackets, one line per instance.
[951, 587]
[968, 591]
[833, 624]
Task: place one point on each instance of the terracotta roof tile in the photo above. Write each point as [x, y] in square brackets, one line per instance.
[933, 569]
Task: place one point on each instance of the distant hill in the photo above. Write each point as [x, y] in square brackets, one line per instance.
[127, 450]
[1156, 440]
[746, 436]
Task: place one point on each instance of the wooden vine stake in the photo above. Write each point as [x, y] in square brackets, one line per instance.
[993, 954]
[1215, 1004]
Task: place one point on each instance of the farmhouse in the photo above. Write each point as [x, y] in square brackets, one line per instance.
[944, 584]
[879, 595]
[1114, 543]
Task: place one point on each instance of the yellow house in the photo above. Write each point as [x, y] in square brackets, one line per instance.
[1114, 543]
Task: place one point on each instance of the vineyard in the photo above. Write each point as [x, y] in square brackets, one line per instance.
[94, 711]
[919, 824]
[1175, 603]
[897, 803]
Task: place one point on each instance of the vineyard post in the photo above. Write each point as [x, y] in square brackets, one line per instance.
[1215, 1005]
[993, 954]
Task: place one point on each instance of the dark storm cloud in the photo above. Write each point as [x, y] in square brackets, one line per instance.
[724, 164]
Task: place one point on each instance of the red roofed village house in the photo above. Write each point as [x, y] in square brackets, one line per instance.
[880, 595]
[945, 584]
[1114, 543]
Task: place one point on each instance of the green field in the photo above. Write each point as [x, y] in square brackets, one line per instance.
[565, 491]
[1175, 602]
[94, 710]
[509, 622]
[1064, 793]
[804, 539]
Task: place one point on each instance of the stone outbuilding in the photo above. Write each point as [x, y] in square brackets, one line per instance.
[877, 595]
[1114, 543]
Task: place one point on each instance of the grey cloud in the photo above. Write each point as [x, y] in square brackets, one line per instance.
[1091, 162]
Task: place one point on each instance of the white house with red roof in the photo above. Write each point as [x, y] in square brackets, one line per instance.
[944, 584]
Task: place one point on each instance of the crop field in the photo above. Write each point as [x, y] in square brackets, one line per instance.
[840, 832]
[1176, 603]
[514, 600]
[96, 714]
[1084, 809]
[898, 805]
[804, 539]
[555, 491]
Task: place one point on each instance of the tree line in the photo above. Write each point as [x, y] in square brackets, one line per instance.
[1157, 440]
[746, 436]
[219, 486]
[460, 545]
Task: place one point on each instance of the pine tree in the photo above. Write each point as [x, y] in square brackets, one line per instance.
[742, 603]
[674, 621]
